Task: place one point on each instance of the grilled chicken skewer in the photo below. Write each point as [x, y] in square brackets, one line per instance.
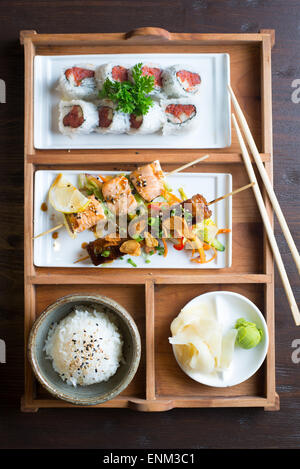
[107, 249]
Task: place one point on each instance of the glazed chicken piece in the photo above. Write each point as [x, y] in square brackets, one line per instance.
[93, 214]
[148, 180]
[118, 195]
[105, 250]
[197, 206]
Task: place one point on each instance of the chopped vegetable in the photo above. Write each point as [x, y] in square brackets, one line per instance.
[105, 253]
[201, 260]
[152, 221]
[182, 193]
[130, 261]
[208, 230]
[131, 98]
[217, 245]
[170, 198]
[160, 250]
[167, 187]
[180, 245]
[165, 247]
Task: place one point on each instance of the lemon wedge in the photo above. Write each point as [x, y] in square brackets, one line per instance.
[66, 198]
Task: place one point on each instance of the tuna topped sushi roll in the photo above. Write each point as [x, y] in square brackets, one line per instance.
[110, 120]
[148, 123]
[179, 81]
[111, 71]
[180, 114]
[78, 82]
[77, 117]
[154, 71]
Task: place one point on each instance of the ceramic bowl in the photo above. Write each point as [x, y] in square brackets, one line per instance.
[95, 393]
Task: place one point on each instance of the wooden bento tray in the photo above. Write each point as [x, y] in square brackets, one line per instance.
[155, 297]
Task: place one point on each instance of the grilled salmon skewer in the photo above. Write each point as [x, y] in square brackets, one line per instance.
[148, 181]
[117, 194]
[81, 221]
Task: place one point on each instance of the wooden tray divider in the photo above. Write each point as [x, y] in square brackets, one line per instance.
[150, 365]
[139, 156]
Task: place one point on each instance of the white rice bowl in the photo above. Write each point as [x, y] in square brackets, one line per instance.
[85, 347]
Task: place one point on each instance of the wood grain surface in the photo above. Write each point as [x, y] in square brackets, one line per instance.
[118, 428]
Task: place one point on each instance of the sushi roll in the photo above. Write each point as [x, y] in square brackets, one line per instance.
[154, 71]
[179, 81]
[112, 71]
[180, 114]
[77, 117]
[110, 120]
[148, 123]
[78, 82]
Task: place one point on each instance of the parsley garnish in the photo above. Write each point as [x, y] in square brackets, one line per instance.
[131, 98]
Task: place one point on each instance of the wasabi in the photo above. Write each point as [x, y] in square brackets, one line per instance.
[248, 335]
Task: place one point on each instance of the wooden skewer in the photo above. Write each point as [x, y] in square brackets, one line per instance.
[49, 231]
[187, 165]
[172, 172]
[81, 259]
[232, 193]
[266, 180]
[268, 227]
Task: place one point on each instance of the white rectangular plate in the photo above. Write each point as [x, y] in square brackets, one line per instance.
[63, 251]
[214, 103]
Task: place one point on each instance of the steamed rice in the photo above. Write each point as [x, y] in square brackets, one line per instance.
[85, 347]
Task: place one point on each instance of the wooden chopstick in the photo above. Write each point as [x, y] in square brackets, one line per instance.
[266, 180]
[187, 165]
[268, 227]
[236, 191]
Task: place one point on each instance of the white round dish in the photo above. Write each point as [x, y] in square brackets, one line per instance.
[230, 306]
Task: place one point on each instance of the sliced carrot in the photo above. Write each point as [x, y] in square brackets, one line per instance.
[105, 179]
[165, 246]
[171, 198]
[202, 255]
[223, 230]
[200, 261]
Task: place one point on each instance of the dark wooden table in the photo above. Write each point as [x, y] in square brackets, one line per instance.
[181, 428]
